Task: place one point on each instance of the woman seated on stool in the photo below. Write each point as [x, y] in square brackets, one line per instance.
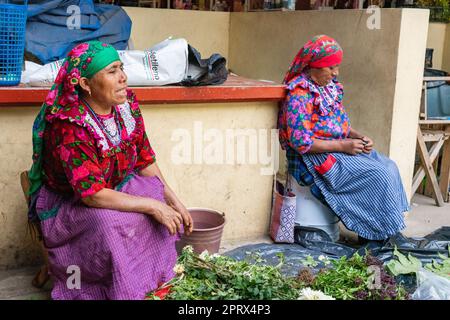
[102, 202]
[361, 186]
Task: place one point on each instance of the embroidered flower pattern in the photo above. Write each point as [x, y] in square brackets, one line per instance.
[310, 111]
[83, 160]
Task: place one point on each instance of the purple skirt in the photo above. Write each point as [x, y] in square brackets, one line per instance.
[119, 255]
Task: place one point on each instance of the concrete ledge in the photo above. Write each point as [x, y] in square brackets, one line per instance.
[235, 89]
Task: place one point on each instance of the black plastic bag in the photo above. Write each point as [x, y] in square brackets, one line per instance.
[203, 72]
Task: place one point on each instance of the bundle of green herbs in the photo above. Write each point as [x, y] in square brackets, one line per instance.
[216, 277]
[358, 277]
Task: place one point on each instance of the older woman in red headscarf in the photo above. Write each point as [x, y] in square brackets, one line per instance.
[362, 187]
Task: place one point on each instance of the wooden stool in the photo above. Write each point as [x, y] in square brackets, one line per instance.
[42, 276]
[440, 140]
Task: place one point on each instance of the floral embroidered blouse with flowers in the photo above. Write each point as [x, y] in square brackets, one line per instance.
[312, 111]
[86, 152]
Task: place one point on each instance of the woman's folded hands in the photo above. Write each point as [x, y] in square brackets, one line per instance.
[357, 145]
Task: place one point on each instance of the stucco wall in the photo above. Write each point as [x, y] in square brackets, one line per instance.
[16, 247]
[206, 31]
[380, 74]
[408, 90]
[446, 54]
[262, 45]
[237, 188]
[436, 40]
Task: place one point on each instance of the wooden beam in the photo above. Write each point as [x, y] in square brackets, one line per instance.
[429, 136]
[435, 121]
[427, 164]
[436, 78]
[420, 174]
[445, 167]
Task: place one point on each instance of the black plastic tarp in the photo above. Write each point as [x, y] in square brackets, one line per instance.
[315, 243]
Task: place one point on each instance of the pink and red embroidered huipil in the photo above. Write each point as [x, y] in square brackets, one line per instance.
[79, 158]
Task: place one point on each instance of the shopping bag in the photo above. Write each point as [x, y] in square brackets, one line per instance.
[282, 222]
[164, 63]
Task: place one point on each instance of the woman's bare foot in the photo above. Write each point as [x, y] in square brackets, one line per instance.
[41, 277]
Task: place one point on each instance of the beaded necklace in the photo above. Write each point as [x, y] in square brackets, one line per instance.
[105, 129]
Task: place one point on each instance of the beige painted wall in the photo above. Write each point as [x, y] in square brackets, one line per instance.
[206, 31]
[370, 69]
[408, 90]
[16, 247]
[239, 188]
[380, 81]
[446, 61]
[436, 40]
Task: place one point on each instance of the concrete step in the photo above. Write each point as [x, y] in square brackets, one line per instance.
[15, 284]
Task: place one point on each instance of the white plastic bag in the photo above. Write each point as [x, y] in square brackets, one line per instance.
[431, 286]
[30, 68]
[164, 63]
[45, 75]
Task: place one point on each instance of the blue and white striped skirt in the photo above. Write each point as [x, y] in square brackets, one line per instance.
[365, 191]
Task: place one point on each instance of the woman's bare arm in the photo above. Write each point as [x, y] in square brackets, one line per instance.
[116, 200]
[350, 146]
[170, 196]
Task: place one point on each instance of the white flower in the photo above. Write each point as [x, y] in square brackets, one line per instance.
[204, 255]
[188, 249]
[326, 261]
[178, 269]
[309, 294]
[215, 255]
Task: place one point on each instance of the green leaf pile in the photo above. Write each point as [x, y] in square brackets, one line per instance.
[214, 277]
[354, 279]
[409, 264]
[404, 265]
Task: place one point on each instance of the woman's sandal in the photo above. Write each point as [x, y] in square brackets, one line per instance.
[41, 277]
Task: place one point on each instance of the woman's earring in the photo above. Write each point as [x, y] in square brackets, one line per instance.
[89, 91]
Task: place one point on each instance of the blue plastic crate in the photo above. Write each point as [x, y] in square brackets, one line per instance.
[13, 18]
[438, 102]
[438, 95]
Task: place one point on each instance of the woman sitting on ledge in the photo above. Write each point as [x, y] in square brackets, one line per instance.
[103, 205]
[362, 187]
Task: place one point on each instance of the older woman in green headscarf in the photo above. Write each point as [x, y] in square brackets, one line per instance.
[96, 190]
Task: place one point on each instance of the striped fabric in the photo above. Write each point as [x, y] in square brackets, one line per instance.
[365, 191]
[121, 255]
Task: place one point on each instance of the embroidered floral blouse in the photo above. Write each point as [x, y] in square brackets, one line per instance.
[312, 111]
[80, 159]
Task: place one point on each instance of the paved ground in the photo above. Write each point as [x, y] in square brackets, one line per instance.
[424, 218]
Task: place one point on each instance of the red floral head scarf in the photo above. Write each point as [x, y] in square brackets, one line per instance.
[319, 52]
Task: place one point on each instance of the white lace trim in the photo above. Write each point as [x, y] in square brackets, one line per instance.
[110, 124]
[103, 142]
[125, 113]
